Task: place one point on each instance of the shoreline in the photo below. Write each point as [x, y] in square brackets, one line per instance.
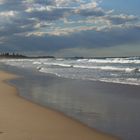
[21, 119]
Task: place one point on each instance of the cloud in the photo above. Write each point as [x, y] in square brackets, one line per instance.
[122, 18]
[90, 39]
[63, 9]
[48, 13]
[7, 14]
[90, 12]
[55, 25]
[59, 3]
[2, 1]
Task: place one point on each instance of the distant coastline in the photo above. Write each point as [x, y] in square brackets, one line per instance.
[18, 56]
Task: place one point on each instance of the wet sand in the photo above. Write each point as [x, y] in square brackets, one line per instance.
[24, 120]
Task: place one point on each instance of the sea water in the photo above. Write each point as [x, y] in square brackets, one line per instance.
[76, 90]
[118, 70]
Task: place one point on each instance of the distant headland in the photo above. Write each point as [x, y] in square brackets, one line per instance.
[17, 55]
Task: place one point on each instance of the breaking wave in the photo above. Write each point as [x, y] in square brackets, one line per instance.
[115, 70]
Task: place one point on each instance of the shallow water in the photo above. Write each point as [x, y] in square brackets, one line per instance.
[111, 108]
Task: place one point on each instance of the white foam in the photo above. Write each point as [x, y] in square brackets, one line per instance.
[60, 59]
[107, 68]
[57, 64]
[129, 81]
[114, 60]
[44, 70]
[37, 63]
[82, 60]
[133, 70]
[88, 69]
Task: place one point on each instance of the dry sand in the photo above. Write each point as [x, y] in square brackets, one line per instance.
[24, 120]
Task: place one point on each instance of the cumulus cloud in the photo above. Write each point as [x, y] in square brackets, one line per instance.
[48, 13]
[65, 2]
[1, 1]
[8, 14]
[90, 12]
[122, 18]
[57, 24]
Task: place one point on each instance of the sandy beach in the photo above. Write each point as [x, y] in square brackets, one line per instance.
[24, 120]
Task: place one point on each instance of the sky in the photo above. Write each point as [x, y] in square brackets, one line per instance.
[89, 28]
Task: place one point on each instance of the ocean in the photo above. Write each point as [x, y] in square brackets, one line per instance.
[115, 70]
[103, 93]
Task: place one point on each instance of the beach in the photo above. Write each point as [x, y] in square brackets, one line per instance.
[24, 120]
